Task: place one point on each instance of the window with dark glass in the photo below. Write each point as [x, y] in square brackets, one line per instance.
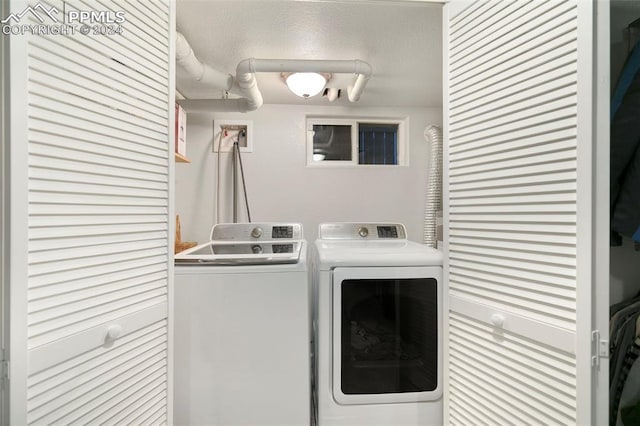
[377, 143]
[332, 142]
[389, 336]
[344, 141]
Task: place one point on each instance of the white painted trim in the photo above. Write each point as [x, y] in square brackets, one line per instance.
[48, 355]
[543, 333]
[446, 14]
[455, 7]
[403, 143]
[600, 386]
[18, 224]
[4, 203]
[226, 144]
[584, 208]
[172, 214]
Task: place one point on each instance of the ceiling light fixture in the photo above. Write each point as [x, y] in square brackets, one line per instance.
[305, 84]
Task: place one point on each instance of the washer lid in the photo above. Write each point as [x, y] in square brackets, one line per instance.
[345, 253]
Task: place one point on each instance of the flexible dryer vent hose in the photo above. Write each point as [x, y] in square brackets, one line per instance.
[433, 203]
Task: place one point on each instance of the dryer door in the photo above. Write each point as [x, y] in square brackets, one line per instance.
[387, 325]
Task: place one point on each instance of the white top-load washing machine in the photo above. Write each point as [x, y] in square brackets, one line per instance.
[377, 327]
[242, 328]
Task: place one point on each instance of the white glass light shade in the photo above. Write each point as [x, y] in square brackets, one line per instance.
[306, 84]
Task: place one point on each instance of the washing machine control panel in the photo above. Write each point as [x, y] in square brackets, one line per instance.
[362, 231]
[387, 231]
[256, 231]
[283, 231]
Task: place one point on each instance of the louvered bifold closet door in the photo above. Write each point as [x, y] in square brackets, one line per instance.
[511, 196]
[98, 225]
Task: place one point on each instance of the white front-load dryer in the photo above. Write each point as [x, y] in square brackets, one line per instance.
[377, 327]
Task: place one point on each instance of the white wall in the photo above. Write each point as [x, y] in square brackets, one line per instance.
[282, 188]
[624, 280]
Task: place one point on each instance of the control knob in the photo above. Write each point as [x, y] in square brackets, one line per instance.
[256, 232]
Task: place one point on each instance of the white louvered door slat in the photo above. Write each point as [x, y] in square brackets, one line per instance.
[98, 155]
[140, 356]
[514, 183]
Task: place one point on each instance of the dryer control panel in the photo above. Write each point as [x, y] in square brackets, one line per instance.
[362, 231]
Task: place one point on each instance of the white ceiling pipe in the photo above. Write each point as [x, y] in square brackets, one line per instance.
[248, 67]
[186, 58]
[245, 83]
[332, 94]
[363, 70]
[354, 91]
[216, 105]
[248, 85]
[253, 65]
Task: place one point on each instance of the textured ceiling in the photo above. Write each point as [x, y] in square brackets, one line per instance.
[402, 41]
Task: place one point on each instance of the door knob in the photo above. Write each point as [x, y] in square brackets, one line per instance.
[113, 332]
[497, 320]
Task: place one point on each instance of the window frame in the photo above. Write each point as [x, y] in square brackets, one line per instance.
[354, 122]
